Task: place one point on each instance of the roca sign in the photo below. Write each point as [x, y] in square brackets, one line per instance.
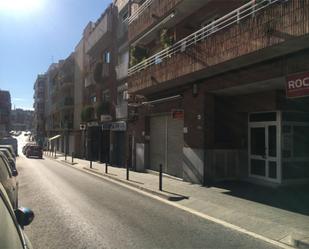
[297, 85]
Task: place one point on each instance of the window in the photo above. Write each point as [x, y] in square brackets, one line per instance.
[105, 96]
[93, 99]
[107, 57]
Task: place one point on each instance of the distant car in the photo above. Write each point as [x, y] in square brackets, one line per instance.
[34, 151]
[26, 147]
[8, 178]
[12, 234]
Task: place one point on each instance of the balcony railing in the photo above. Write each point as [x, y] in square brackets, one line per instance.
[140, 10]
[234, 17]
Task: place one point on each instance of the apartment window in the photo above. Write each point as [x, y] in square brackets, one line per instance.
[106, 96]
[93, 99]
[107, 57]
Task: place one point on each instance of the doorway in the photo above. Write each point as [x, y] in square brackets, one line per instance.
[264, 146]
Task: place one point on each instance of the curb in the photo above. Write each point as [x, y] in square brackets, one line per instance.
[162, 195]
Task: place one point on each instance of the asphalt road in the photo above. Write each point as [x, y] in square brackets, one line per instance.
[76, 210]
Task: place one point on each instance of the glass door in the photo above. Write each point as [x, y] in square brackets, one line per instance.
[263, 151]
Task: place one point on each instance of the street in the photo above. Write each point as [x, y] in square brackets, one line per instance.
[76, 210]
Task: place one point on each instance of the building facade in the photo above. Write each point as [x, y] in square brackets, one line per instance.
[61, 113]
[119, 126]
[39, 109]
[208, 89]
[22, 120]
[5, 112]
[99, 98]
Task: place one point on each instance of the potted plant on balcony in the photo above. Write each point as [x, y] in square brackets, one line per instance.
[165, 39]
[137, 54]
[87, 114]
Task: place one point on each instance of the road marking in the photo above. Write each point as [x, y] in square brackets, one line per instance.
[186, 209]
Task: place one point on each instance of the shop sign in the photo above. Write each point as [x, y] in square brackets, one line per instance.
[92, 124]
[177, 114]
[119, 126]
[106, 126]
[106, 118]
[297, 85]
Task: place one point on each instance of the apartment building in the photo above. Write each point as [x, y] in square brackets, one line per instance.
[5, 111]
[99, 98]
[60, 107]
[39, 109]
[22, 120]
[213, 89]
[119, 126]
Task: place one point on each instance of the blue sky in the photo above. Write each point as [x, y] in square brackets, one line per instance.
[35, 35]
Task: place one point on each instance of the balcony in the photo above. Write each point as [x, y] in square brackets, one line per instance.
[253, 27]
[122, 110]
[102, 27]
[121, 71]
[147, 14]
[67, 102]
[89, 81]
[66, 83]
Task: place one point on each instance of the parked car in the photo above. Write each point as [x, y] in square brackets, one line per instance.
[26, 147]
[8, 178]
[9, 148]
[34, 151]
[10, 141]
[12, 234]
[9, 157]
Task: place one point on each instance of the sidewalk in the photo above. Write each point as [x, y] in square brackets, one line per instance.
[278, 214]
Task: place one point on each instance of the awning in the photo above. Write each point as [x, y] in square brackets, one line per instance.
[53, 138]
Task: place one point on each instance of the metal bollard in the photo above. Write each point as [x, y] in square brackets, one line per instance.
[90, 163]
[55, 153]
[72, 158]
[65, 156]
[106, 168]
[160, 177]
[128, 170]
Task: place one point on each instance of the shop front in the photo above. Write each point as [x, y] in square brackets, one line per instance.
[266, 123]
[118, 143]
